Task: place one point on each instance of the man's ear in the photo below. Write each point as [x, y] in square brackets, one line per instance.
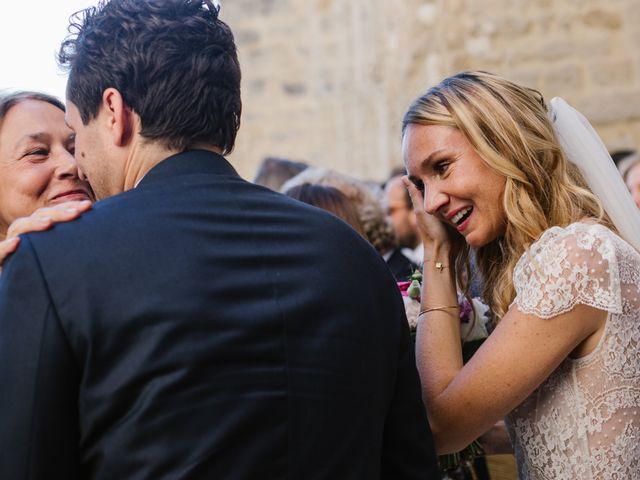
[119, 117]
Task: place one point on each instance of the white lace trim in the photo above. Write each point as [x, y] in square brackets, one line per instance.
[584, 420]
[566, 267]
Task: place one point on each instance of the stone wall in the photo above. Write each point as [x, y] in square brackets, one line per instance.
[327, 81]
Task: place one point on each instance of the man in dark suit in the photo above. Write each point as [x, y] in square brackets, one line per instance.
[194, 325]
[401, 267]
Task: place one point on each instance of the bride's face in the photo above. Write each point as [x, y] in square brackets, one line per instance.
[459, 187]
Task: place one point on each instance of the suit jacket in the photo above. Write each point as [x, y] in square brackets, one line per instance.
[202, 327]
[401, 267]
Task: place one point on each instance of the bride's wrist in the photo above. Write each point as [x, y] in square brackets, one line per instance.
[438, 252]
[438, 258]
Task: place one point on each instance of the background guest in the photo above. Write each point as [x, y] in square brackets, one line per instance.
[377, 229]
[618, 155]
[273, 172]
[630, 170]
[329, 199]
[403, 220]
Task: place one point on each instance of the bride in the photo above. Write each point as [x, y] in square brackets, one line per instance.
[488, 170]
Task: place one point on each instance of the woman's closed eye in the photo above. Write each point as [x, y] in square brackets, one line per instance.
[35, 154]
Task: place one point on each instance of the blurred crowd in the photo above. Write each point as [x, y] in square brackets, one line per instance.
[382, 212]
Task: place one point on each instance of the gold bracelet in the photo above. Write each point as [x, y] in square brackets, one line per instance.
[433, 309]
[439, 265]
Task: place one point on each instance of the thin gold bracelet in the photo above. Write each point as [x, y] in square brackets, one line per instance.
[433, 309]
[438, 265]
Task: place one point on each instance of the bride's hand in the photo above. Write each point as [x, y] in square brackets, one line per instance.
[432, 230]
[42, 219]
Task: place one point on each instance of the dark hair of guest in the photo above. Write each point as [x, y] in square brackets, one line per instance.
[273, 172]
[173, 61]
[329, 199]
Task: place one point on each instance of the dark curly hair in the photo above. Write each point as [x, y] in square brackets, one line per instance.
[173, 61]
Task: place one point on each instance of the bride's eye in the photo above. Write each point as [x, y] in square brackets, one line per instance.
[440, 166]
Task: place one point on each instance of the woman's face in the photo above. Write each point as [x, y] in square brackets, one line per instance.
[37, 167]
[459, 187]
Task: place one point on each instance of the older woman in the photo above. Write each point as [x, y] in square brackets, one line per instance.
[39, 179]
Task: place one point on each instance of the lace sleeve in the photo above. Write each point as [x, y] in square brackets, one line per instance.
[567, 266]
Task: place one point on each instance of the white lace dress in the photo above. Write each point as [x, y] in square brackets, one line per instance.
[583, 422]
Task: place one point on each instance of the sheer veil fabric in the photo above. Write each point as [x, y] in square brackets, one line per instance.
[584, 148]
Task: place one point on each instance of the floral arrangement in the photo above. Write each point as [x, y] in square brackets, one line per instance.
[474, 314]
[475, 320]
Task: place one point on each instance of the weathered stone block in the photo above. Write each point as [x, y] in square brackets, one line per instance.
[611, 106]
[602, 18]
[611, 73]
[562, 78]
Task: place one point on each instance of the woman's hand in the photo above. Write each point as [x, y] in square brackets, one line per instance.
[432, 230]
[42, 219]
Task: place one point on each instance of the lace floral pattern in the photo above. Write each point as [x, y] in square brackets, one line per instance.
[583, 422]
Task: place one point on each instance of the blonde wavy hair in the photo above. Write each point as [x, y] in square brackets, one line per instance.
[508, 126]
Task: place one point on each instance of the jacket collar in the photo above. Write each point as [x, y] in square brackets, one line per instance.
[188, 163]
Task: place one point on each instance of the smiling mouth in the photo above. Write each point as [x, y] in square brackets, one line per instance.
[461, 216]
[72, 194]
